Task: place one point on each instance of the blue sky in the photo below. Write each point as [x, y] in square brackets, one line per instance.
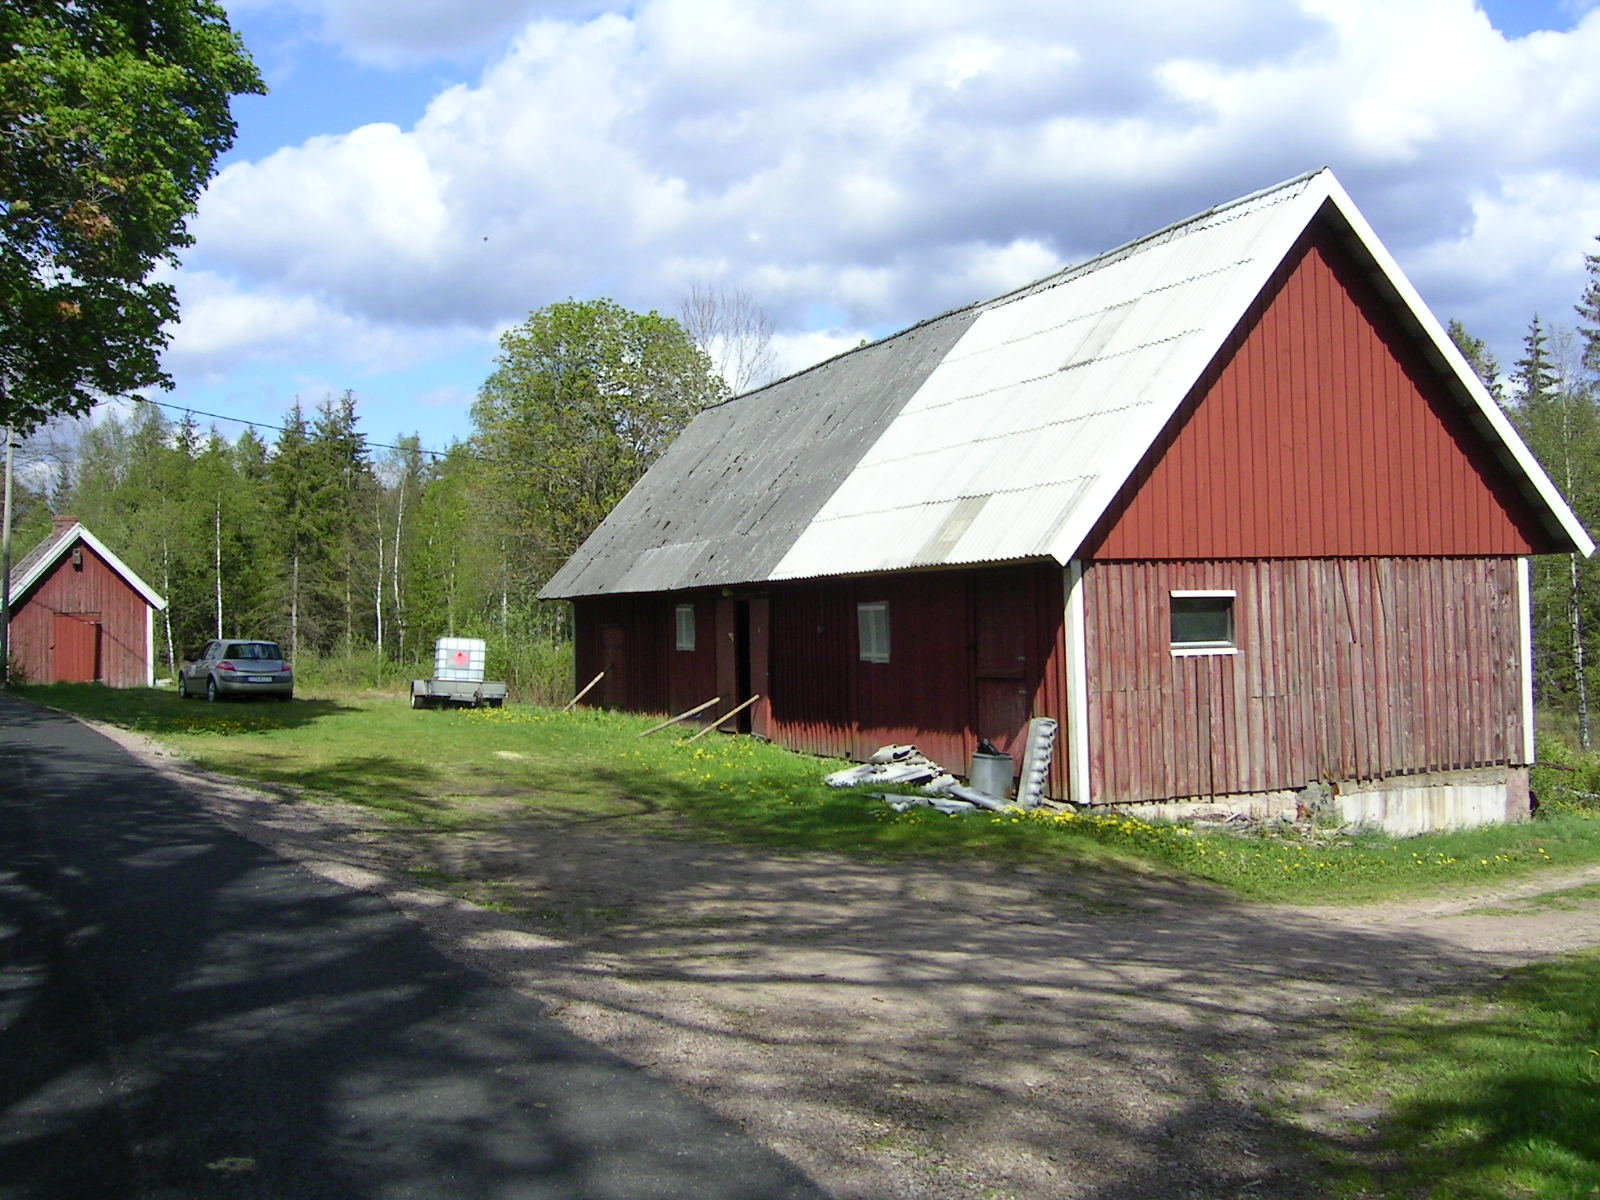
[425, 173]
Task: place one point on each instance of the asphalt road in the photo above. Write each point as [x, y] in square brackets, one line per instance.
[185, 1014]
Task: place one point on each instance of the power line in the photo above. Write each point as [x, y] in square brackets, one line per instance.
[197, 412]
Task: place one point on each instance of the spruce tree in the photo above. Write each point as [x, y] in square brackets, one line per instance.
[1589, 318]
[1534, 376]
[1479, 358]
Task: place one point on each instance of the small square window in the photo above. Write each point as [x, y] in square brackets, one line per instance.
[685, 618]
[872, 625]
[1202, 623]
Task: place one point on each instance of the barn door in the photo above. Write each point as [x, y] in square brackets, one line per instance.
[1003, 611]
[760, 650]
[76, 653]
[743, 654]
[613, 661]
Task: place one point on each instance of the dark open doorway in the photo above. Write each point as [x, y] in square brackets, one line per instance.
[743, 654]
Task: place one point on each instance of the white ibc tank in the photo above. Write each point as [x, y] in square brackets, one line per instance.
[458, 659]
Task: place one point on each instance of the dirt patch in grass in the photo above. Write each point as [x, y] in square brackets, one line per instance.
[927, 1030]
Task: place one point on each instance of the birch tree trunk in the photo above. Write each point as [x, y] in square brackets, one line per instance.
[294, 603]
[1574, 607]
[377, 587]
[394, 570]
[166, 613]
[217, 561]
[1575, 616]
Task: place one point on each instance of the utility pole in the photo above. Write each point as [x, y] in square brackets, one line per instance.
[5, 568]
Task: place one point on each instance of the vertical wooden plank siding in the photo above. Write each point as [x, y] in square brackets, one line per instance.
[813, 646]
[655, 676]
[1319, 431]
[1345, 669]
[823, 698]
[94, 589]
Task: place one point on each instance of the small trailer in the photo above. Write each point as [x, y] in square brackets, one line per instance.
[457, 678]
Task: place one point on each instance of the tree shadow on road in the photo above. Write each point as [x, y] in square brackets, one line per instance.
[183, 1012]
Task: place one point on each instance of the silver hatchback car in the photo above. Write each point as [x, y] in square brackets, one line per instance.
[237, 667]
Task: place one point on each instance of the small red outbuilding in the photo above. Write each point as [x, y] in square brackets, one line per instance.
[79, 614]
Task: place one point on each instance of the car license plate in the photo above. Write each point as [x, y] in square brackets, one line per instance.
[259, 678]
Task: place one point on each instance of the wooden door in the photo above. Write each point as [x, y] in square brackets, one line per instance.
[76, 654]
[760, 649]
[613, 661]
[1003, 666]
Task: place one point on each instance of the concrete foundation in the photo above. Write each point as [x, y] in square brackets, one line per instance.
[1401, 805]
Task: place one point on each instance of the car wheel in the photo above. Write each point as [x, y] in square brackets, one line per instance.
[417, 701]
[211, 690]
[183, 688]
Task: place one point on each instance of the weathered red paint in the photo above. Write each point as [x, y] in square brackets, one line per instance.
[974, 654]
[1320, 431]
[1346, 669]
[105, 636]
[760, 682]
[75, 650]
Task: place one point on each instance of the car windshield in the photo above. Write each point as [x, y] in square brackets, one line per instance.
[253, 650]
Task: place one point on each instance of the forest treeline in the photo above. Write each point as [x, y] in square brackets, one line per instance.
[1552, 395]
[347, 550]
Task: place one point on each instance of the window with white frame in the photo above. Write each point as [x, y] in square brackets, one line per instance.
[1202, 622]
[685, 618]
[872, 628]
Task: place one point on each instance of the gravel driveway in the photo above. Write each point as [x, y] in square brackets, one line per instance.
[927, 1031]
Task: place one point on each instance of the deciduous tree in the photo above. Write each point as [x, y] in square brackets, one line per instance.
[585, 396]
[1557, 415]
[112, 115]
[733, 330]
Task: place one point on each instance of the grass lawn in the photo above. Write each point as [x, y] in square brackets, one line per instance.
[449, 768]
[1483, 1097]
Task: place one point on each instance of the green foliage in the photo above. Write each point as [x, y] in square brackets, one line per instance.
[1558, 415]
[112, 115]
[1483, 1096]
[1476, 352]
[1588, 308]
[356, 672]
[584, 397]
[535, 663]
[1564, 779]
[322, 500]
[1535, 375]
[536, 668]
[355, 566]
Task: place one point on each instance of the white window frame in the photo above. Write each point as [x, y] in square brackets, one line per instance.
[683, 616]
[1198, 649]
[872, 630]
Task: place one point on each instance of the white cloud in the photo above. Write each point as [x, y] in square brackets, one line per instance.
[883, 163]
[793, 352]
[224, 321]
[1521, 253]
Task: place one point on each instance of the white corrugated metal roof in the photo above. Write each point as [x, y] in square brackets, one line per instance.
[996, 433]
[1046, 404]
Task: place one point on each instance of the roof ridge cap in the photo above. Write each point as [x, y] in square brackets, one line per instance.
[1117, 253]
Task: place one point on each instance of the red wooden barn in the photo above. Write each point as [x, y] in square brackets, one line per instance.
[1225, 501]
[79, 614]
